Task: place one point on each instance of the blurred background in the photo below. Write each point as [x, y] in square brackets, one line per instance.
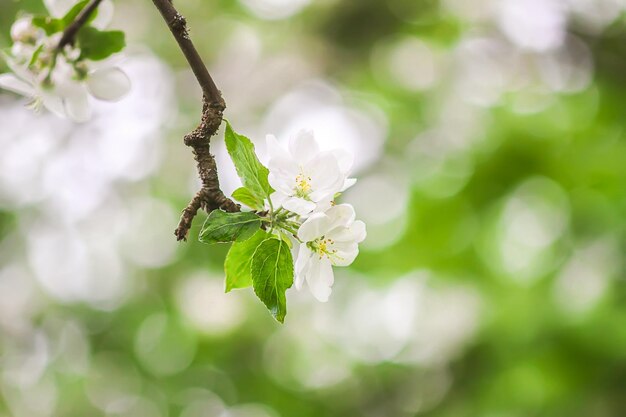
[491, 157]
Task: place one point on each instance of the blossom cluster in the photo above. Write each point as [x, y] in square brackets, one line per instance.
[62, 80]
[306, 182]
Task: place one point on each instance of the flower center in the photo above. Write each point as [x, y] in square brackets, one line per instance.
[303, 185]
[323, 247]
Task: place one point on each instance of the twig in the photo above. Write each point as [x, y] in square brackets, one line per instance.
[210, 197]
[81, 19]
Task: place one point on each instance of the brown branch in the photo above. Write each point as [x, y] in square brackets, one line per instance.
[210, 197]
[81, 19]
[178, 26]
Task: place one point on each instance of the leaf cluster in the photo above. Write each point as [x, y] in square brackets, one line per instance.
[257, 258]
[94, 44]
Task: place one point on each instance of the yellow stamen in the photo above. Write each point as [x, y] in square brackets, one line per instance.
[303, 185]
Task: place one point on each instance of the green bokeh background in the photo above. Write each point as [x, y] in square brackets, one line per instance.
[523, 215]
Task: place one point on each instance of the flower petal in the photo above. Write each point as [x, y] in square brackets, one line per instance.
[12, 83]
[346, 253]
[20, 70]
[314, 227]
[277, 198]
[110, 84]
[54, 104]
[342, 215]
[58, 8]
[355, 233]
[76, 103]
[302, 264]
[280, 182]
[345, 160]
[326, 179]
[349, 182]
[274, 150]
[299, 206]
[283, 169]
[320, 278]
[303, 146]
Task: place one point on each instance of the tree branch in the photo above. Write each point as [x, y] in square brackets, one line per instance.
[178, 26]
[81, 19]
[210, 197]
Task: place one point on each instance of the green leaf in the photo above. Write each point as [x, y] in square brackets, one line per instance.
[239, 261]
[35, 55]
[222, 227]
[272, 275]
[71, 15]
[52, 25]
[97, 45]
[245, 196]
[49, 24]
[252, 173]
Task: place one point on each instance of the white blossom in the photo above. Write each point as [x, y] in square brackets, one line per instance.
[24, 31]
[60, 82]
[24, 82]
[328, 239]
[304, 178]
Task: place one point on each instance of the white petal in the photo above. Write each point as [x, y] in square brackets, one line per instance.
[345, 160]
[77, 105]
[20, 70]
[346, 253]
[299, 206]
[12, 83]
[320, 278]
[104, 16]
[23, 30]
[58, 8]
[302, 265]
[326, 179]
[341, 215]
[349, 182]
[274, 150]
[278, 199]
[358, 230]
[314, 227]
[324, 204]
[283, 169]
[303, 146]
[281, 181]
[110, 84]
[22, 52]
[354, 234]
[54, 104]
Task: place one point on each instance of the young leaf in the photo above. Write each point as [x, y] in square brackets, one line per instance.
[243, 195]
[70, 16]
[222, 227]
[239, 261]
[49, 24]
[252, 173]
[97, 45]
[272, 275]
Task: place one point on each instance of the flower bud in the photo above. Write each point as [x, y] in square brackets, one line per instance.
[81, 70]
[24, 31]
[72, 53]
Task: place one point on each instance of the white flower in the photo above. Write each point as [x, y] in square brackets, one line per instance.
[64, 95]
[60, 82]
[328, 239]
[304, 178]
[24, 82]
[24, 31]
